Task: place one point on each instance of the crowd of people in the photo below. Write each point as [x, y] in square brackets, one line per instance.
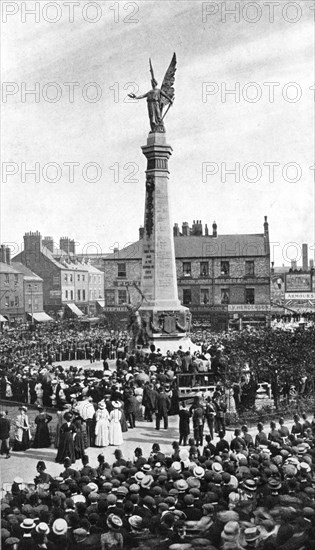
[62, 341]
[251, 492]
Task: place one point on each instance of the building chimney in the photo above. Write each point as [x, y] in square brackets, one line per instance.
[2, 254]
[311, 264]
[304, 257]
[266, 236]
[48, 242]
[72, 246]
[196, 229]
[116, 250]
[185, 229]
[206, 230]
[64, 244]
[272, 271]
[8, 255]
[141, 232]
[214, 229]
[32, 241]
[176, 232]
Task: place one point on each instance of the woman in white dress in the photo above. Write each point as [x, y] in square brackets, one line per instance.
[102, 425]
[115, 433]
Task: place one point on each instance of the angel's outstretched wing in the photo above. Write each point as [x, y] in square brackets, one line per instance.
[168, 82]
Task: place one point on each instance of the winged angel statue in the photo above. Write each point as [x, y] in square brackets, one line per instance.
[157, 98]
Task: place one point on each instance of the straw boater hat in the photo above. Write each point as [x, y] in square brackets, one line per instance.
[42, 528]
[116, 404]
[114, 522]
[28, 524]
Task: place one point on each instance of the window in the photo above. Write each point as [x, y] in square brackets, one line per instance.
[16, 278]
[66, 293]
[7, 303]
[36, 303]
[56, 280]
[225, 268]
[29, 302]
[122, 272]
[83, 294]
[83, 278]
[94, 293]
[204, 296]
[90, 278]
[66, 277]
[70, 277]
[110, 297]
[36, 286]
[122, 297]
[249, 296]
[79, 276]
[79, 295]
[91, 294]
[6, 275]
[186, 296]
[225, 295]
[187, 269]
[99, 279]
[100, 293]
[249, 268]
[204, 269]
[16, 301]
[71, 294]
[94, 278]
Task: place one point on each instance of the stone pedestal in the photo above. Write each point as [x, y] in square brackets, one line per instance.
[166, 322]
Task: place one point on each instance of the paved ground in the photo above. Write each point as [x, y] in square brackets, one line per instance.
[23, 464]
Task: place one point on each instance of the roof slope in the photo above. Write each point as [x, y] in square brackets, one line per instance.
[223, 246]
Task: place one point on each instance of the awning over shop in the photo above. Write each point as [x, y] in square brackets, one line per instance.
[75, 310]
[40, 317]
[100, 303]
[3, 319]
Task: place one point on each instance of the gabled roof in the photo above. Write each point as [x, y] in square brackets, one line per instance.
[223, 246]
[6, 268]
[28, 274]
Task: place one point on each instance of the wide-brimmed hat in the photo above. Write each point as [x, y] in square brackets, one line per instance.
[135, 522]
[146, 482]
[217, 467]
[23, 408]
[177, 466]
[116, 404]
[28, 524]
[139, 476]
[92, 486]
[42, 528]
[251, 533]
[274, 484]
[101, 405]
[198, 472]
[250, 485]
[181, 485]
[80, 534]
[114, 522]
[231, 530]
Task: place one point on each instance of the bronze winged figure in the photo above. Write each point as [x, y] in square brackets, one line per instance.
[159, 98]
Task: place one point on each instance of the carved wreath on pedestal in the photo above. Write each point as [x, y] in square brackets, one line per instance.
[150, 186]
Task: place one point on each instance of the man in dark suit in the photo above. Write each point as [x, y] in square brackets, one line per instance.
[4, 434]
[163, 404]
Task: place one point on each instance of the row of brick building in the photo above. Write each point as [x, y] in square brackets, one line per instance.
[221, 278]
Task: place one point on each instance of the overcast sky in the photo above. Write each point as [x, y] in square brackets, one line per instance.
[207, 132]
